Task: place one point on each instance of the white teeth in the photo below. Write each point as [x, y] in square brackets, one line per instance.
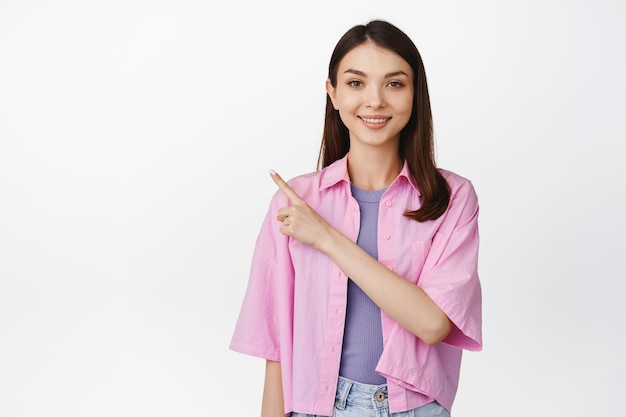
[365, 119]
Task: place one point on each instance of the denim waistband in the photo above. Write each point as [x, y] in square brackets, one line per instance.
[363, 395]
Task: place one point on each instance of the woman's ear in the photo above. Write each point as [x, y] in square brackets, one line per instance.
[332, 93]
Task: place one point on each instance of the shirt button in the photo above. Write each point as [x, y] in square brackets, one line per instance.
[387, 237]
[388, 203]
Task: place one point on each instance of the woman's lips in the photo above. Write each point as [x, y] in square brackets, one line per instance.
[374, 122]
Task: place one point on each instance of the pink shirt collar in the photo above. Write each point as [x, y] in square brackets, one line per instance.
[338, 171]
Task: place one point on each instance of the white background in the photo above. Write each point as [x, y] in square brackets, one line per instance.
[135, 140]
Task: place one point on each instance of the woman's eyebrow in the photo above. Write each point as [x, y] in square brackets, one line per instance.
[395, 74]
[362, 74]
[355, 72]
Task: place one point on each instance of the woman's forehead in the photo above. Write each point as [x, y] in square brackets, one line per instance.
[370, 58]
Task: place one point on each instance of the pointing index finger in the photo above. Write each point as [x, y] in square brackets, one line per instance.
[284, 187]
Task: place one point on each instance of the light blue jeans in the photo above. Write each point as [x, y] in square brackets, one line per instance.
[354, 399]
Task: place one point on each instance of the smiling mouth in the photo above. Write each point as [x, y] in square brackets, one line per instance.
[375, 120]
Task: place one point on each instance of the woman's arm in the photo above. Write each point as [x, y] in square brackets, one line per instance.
[273, 403]
[399, 298]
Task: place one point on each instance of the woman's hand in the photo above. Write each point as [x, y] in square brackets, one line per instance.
[299, 220]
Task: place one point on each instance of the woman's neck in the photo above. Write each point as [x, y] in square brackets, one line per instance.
[373, 170]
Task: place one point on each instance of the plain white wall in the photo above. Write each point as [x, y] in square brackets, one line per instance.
[135, 140]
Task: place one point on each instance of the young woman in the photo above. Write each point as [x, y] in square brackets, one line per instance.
[364, 289]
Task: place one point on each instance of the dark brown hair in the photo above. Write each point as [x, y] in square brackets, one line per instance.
[416, 139]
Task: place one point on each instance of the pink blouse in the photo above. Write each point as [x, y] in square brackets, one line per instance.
[294, 307]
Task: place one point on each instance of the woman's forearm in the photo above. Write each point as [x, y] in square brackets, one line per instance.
[399, 298]
[273, 403]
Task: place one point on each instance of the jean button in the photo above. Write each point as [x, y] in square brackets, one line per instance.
[380, 397]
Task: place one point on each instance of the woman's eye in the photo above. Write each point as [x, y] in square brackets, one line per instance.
[355, 84]
[395, 84]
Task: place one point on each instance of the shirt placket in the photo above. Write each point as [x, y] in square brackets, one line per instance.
[336, 314]
[387, 211]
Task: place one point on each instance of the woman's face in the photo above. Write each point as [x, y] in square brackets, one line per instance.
[374, 95]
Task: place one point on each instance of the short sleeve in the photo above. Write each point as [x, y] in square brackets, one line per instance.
[265, 319]
[450, 273]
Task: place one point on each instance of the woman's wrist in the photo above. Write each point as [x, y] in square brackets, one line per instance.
[329, 243]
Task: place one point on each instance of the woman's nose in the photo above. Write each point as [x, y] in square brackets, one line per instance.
[375, 98]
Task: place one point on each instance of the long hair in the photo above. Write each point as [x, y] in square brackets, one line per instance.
[416, 138]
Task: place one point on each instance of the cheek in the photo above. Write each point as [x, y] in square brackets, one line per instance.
[347, 108]
[345, 101]
[406, 105]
